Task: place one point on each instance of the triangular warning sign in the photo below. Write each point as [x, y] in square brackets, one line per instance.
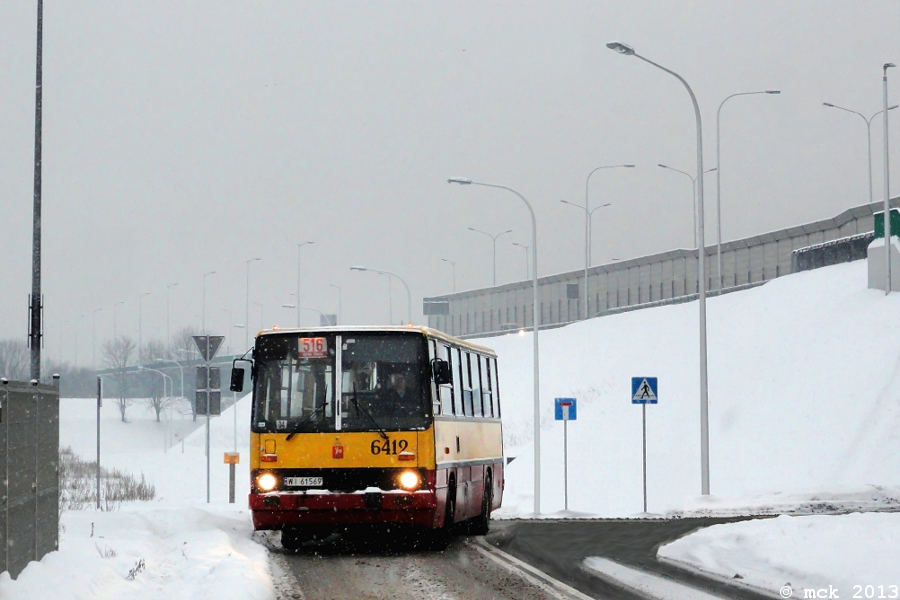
[644, 392]
[208, 345]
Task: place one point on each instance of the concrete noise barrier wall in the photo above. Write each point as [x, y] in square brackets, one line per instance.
[29, 458]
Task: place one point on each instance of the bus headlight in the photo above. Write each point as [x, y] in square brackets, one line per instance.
[409, 480]
[266, 482]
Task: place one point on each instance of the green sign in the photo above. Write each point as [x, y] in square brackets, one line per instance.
[895, 223]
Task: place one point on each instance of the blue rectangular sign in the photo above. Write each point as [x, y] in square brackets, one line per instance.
[566, 409]
[644, 390]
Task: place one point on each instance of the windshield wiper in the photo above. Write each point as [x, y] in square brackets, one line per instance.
[365, 412]
[310, 416]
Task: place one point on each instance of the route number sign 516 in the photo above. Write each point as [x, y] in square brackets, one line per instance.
[312, 347]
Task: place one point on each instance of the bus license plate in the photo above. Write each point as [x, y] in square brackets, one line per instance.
[302, 481]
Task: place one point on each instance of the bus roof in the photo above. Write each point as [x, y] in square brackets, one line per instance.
[427, 331]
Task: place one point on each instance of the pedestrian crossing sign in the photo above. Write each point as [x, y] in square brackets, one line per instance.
[644, 390]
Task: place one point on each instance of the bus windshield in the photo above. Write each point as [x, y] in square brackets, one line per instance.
[383, 382]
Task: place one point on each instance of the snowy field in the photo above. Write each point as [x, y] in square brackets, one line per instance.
[804, 421]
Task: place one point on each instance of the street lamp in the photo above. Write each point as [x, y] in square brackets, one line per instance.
[525, 247]
[116, 318]
[400, 279]
[315, 310]
[587, 226]
[168, 288]
[719, 176]
[494, 240]
[693, 192]
[247, 305]
[452, 264]
[536, 323]
[887, 190]
[203, 319]
[178, 364]
[340, 319]
[141, 324]
[704, 404]
[299, 246]
[868, 122]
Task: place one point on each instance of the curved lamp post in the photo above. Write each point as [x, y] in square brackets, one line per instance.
[704, 397]
[494, 240]
[719, 175]
[536, 322]
[400, 279]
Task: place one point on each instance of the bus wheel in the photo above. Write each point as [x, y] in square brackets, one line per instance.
[292, 537]
[482, 523]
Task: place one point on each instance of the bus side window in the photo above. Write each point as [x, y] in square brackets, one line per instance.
[487, 388]
[447, 391]
[461, 388]
[435, 389]
[467, 382]
[496, 375]
[477, 385]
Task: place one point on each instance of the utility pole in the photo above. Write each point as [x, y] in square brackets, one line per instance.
[36, 304]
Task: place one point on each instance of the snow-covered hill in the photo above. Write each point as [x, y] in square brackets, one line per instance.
[803, 398]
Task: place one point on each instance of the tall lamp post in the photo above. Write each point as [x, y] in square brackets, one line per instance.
[704, 405]
[536, 321]
[340, 319]
[299, 246]
[868, 122]
[525, 247]
[400, 279]
[247, 306]
[693, 191]
[494, 240]
[587, 227]
[887, 189]
[453, 265]
[719, 176]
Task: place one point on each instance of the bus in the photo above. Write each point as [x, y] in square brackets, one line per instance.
[362, 426]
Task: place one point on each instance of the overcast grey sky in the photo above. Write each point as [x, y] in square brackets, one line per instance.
[186, 137]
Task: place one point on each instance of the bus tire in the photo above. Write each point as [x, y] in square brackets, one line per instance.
[482, 523]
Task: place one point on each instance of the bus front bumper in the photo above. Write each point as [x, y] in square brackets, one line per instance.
[276, 509]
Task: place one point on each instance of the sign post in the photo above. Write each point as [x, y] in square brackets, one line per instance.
[231, 459]
[643, 392]
[565, 411]
[208, 345]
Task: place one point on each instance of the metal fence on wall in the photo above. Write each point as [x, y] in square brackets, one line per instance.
[639, 282]
[29, 457]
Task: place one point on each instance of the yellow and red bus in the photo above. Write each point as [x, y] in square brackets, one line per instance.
[355, 426]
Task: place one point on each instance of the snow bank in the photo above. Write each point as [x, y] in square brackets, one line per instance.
[811, 552]
[189, 549]
[803, 399]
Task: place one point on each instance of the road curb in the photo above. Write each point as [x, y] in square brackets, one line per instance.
[736, 583]
[555, 588]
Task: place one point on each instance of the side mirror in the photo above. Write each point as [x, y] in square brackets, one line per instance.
[440, 370]
[237, 379]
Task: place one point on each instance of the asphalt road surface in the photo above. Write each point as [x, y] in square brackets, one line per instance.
[388, 566]
[558, 548]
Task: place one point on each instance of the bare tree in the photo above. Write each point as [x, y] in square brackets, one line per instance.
[153, 350]
[183, 343]
[157, 399]
[14, 359]
[117, 354]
